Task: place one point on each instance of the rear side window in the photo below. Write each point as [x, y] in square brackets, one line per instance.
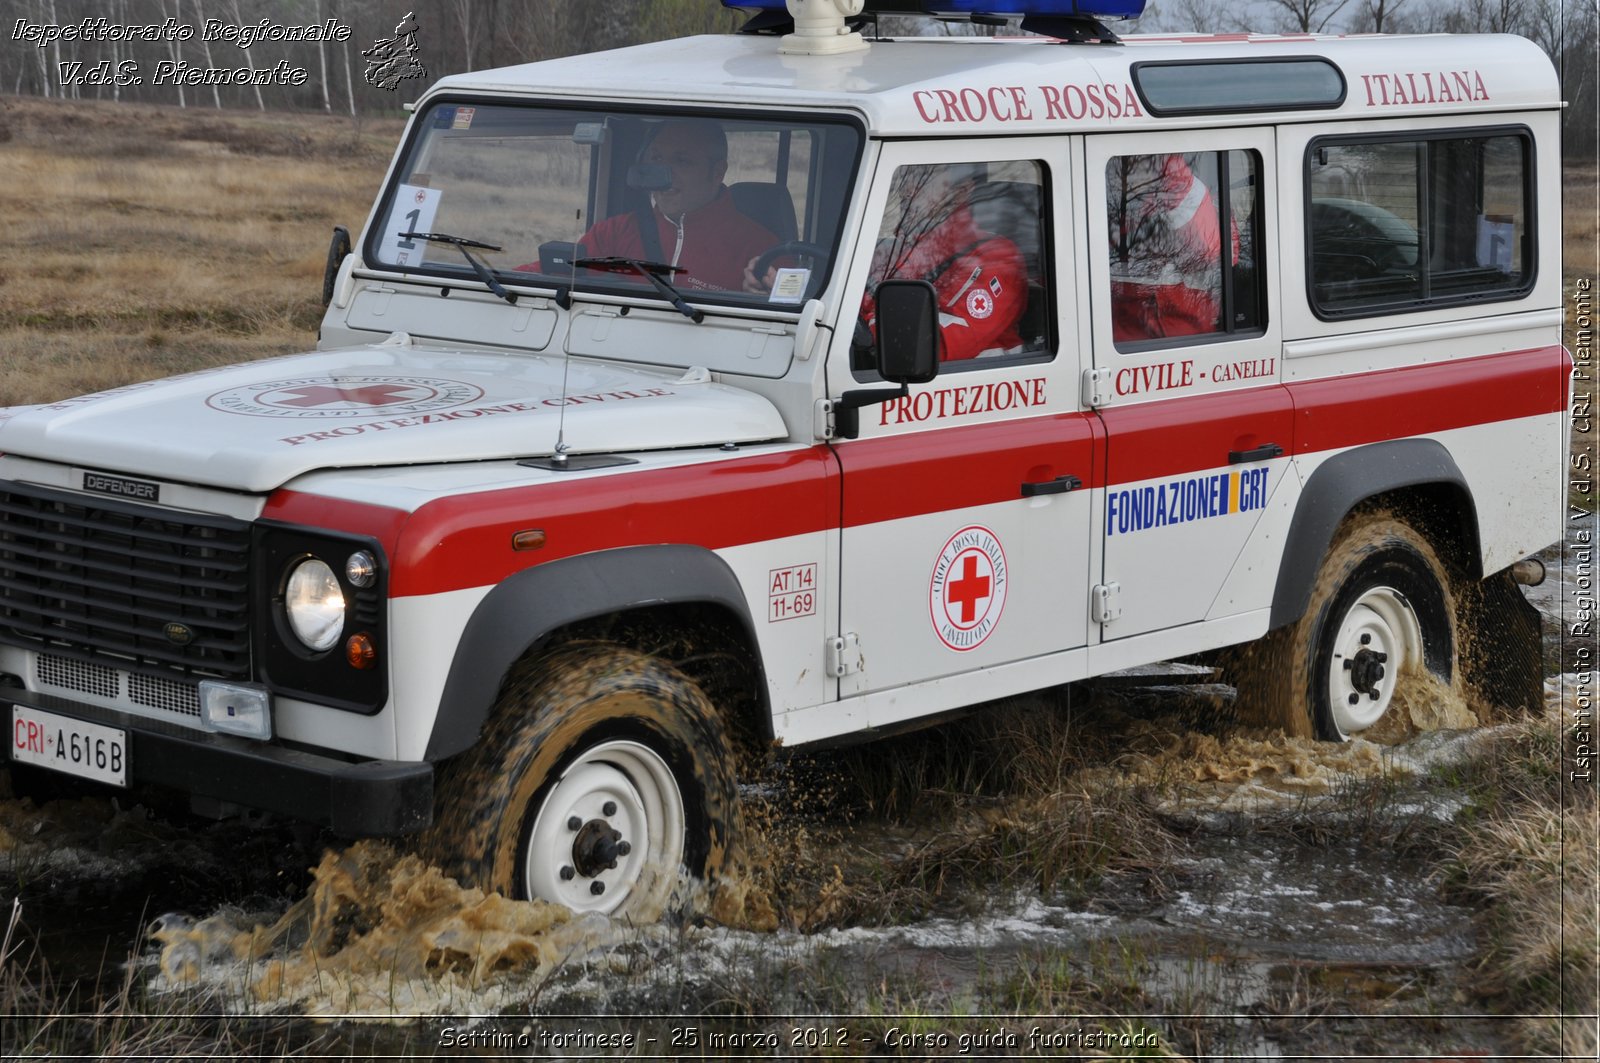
[1186, 244]
[1404, 223]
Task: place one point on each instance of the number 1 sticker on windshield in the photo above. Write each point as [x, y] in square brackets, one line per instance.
[414, 208]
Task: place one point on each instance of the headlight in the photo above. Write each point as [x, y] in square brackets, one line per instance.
[315, 604]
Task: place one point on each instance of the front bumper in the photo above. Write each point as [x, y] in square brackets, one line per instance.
[353, 798]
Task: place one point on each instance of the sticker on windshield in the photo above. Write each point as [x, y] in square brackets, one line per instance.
[789, 286]
[414, 208]
[463, 118]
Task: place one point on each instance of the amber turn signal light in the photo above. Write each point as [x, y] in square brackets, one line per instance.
[360, 652]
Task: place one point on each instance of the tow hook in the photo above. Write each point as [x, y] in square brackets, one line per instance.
[1529, 572]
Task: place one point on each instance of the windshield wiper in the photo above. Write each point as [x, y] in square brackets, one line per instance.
[462, 243]
[651, 271]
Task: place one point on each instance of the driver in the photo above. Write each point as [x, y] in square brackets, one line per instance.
[697, 225]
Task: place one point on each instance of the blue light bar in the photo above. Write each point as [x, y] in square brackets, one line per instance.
[1009, 8]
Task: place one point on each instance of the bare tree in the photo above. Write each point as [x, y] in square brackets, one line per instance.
[322, 60]
[1306, 16]
[467, 19]
[1376, 16]
[250, 59]
[174, 48]
[349, 81]
[55, 47]
[1481, 16]
[1191, 16]
[200, 19]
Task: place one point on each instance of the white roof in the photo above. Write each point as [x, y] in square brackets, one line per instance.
[1030, 84]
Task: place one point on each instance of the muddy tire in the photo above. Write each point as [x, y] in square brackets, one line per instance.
[1381, 609]
[602, 771]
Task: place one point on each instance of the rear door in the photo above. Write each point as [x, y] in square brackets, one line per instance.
[1186, 350]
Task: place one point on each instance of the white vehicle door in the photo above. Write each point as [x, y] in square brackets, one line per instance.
[965, 504]
[1186, 346]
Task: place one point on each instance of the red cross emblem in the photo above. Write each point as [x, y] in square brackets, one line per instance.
[967, 590]
[979, 303]
[371, 395]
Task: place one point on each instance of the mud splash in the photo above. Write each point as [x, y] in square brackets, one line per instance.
[377, 934]
[1255, 769]
[1423, 702]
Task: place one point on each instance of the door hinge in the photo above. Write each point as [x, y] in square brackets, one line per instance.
[1105, 602]
[823, 425]
[1096, 387]
[844, 655]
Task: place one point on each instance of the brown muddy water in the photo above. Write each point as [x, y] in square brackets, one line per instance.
[1231, 894]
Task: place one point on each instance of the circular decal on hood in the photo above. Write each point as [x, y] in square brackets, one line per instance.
[968, 590]
[345, 396]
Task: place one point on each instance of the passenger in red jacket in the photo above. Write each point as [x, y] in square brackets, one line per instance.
[1166, 250]
[698, 226]
[979, 277]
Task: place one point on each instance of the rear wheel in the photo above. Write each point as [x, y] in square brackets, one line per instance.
[1381, 612]
[601, 774]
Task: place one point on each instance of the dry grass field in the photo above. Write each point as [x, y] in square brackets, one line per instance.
[138, 241]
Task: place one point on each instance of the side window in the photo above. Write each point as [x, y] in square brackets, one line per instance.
[1402, 224]
[1186, 244]
[976, 232]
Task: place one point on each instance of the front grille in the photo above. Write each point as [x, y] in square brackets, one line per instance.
[131, 587]
[150, 691]
[82, 677]
[168, 695]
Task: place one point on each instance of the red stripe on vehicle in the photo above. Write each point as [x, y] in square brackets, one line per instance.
[1170, 437]
[382, 523]
[465, 540]
[1346, 411]
[899, 476]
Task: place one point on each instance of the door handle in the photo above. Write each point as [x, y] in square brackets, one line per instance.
[1261, 453]
[1059, 486]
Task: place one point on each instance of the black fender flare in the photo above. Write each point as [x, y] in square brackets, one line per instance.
[526, 607]
[1340, 484]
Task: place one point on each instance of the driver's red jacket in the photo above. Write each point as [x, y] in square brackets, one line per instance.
[713, 244]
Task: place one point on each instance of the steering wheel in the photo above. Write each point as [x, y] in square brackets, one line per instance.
[798, 248]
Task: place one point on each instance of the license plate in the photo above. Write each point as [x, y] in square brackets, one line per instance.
[87, 750]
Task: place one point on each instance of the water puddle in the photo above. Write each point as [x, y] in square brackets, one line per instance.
[1238, 911]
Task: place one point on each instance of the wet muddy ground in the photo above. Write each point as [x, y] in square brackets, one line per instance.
[1185, 886]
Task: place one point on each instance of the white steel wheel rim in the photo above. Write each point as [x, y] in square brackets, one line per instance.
[1380, 622]
[626, 787]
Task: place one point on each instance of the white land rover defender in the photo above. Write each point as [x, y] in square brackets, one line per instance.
[799, 384]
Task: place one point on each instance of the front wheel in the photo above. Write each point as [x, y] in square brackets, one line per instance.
[602, 775]
[1381, 612]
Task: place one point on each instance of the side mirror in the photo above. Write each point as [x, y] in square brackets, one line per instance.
[338, 248]
[908, 332]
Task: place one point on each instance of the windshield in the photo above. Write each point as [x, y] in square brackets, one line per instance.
[579, 197]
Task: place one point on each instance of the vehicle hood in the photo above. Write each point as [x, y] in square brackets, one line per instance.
[253, 427]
